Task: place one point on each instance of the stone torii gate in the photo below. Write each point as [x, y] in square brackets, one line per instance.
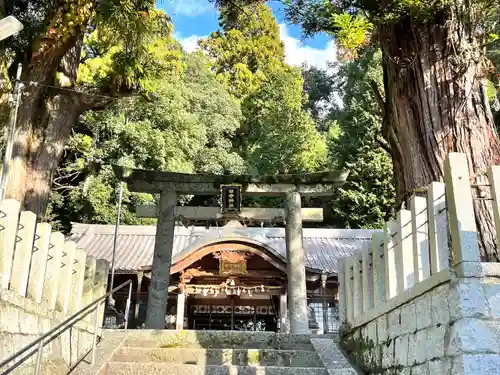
[170, 185]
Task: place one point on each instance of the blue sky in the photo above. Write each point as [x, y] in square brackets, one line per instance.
[194, 19]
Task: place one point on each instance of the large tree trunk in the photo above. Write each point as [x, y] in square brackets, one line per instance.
[436, 103]
[46, 117]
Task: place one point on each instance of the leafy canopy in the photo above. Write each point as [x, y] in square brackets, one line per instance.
[184, 125]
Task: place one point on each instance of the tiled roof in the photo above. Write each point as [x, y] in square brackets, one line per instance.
[135, 244]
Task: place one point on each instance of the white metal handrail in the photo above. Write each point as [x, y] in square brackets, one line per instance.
[38, 344]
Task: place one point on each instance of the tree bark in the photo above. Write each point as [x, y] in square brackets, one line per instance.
[46, 117]
[436, 103]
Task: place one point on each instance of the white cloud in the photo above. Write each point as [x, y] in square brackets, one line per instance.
[297, 53]
[189, 43]
[191, 8]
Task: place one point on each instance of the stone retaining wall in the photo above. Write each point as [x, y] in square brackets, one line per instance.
[421, 301]
[44, 279]
[452, 328]
[23, 321]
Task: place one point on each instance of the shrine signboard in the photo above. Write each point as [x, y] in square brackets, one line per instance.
[231, 199]
[232, 263]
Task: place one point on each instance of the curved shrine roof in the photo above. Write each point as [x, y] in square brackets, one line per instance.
[135, 245]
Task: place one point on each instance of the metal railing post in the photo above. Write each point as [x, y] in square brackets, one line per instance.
[127, 308]
[38, 365]
[94, 340]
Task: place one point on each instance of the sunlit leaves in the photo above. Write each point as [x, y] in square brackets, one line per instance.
[184, 125]
[245, 50]
[280, 136]
[353, 32]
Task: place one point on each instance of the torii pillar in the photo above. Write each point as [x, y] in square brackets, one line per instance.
[162, 261]
[296, 275]
[169, 185]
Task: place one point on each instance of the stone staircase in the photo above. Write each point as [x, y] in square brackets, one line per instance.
[216, 353]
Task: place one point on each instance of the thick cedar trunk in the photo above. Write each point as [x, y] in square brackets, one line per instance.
[435, 104]
[46, 117]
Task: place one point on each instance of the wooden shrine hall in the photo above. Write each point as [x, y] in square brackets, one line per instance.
[226, 278]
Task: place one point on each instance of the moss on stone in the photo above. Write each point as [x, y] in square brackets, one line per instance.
[362, 351]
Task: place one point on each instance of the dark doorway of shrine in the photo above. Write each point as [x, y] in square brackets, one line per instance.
[236, 314]
[231, 285]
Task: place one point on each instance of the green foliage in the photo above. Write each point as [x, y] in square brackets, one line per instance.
[352, 31]
[279, 136]
[366, 200]
[493, 53]
[356, 23]
[185, 125]
[245, 50]
[318, 89]
[109, 61]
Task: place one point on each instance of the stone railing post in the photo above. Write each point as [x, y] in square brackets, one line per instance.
[367, 276]
[404, 251]
[357, 285]
[464, 241]
[349, 288]
[437, 217]
[390, 259]
[9, 214]
[342, 290]
[77, 275]
[494, 178]
[100, 285]
[65, 276]
[378, 262]
[22, 252]
[421, 265]
[88, 283]
[51, 282]
[39, 261]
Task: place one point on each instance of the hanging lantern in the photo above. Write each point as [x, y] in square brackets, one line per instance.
[204, 292]
[262, 288]
[239, 291]
[249, 292]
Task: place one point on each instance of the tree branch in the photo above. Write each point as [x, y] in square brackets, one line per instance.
[384, 145]
[378, 97]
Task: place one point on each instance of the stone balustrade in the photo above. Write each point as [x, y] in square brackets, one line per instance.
[43, 280]
[420, 300]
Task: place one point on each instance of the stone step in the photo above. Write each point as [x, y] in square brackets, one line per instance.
[126, 368]
[202, 357]
[217, 340]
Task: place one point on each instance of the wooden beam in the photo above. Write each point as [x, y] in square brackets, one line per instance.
[214, 213]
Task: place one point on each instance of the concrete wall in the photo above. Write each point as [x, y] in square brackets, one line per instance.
[421, 301]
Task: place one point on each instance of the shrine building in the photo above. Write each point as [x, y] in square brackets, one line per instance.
[225, 278]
